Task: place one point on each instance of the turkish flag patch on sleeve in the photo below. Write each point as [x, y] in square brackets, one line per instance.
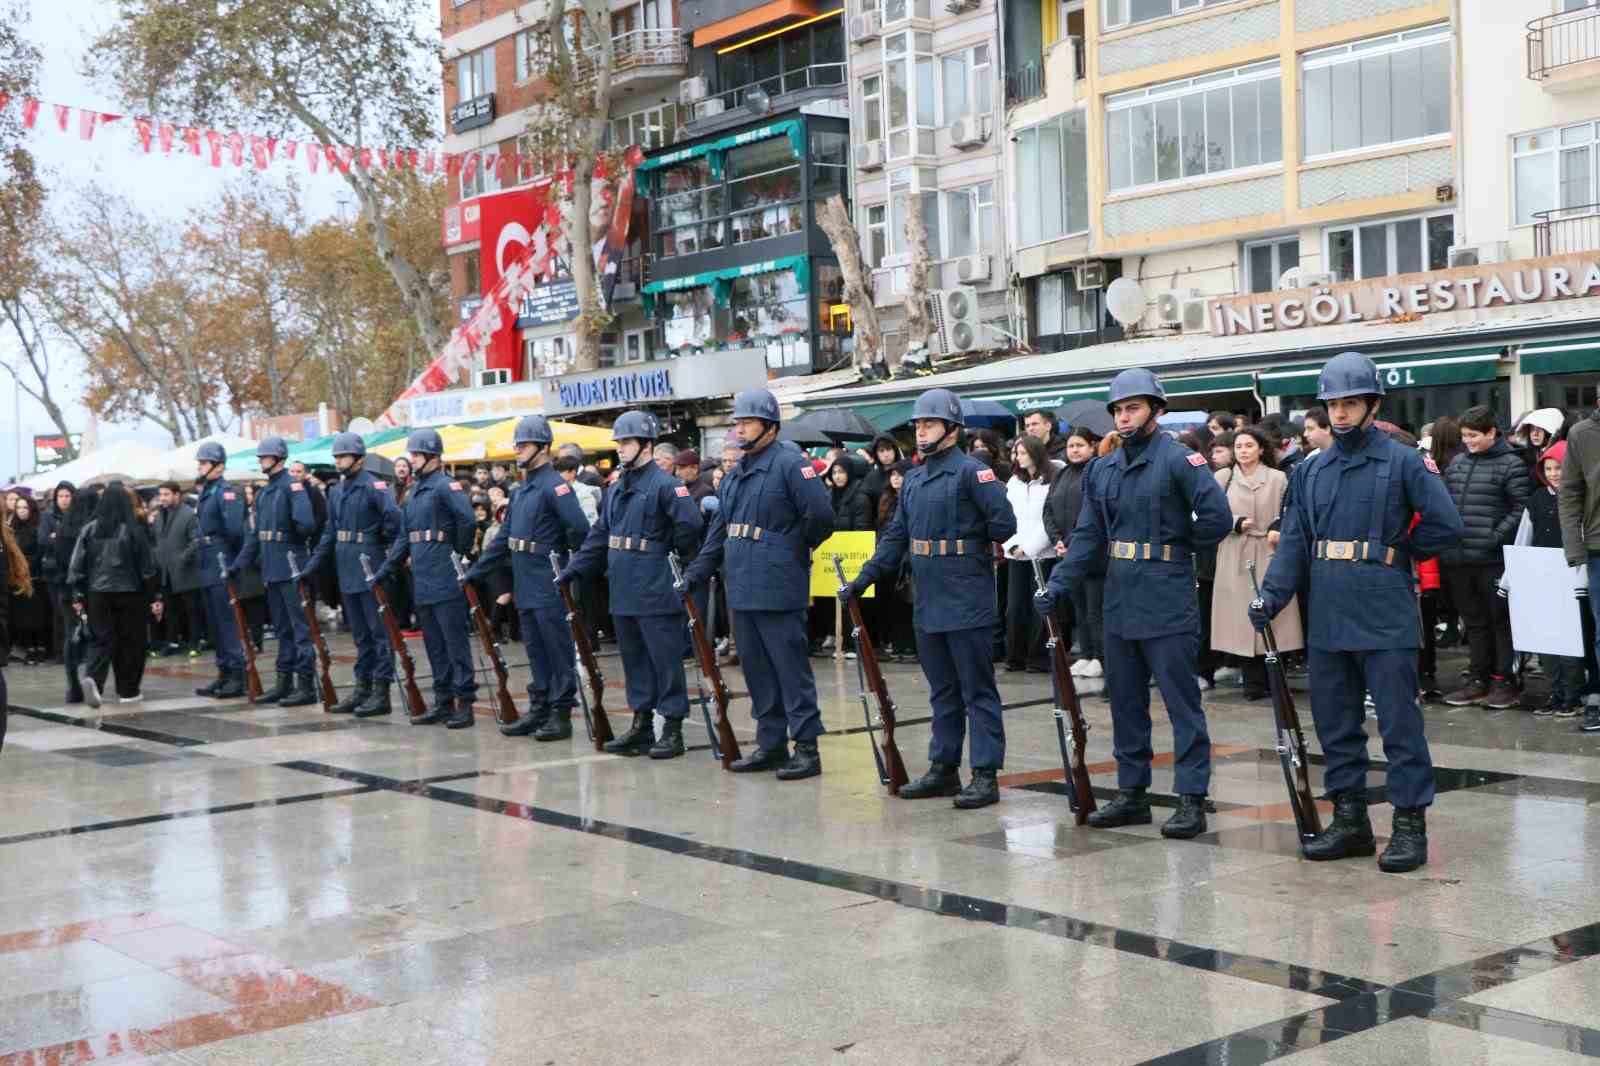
[1427, 461]
[230, 496]
[295, 486]
[985, 476]
[380, 484]
[562, 490]
[682, 490]
[455, 486]
[808, 471]
[1196, 459]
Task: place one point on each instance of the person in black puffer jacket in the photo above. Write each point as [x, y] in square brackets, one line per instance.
[53, 572]
[113, 572]
[15, 580]
[885, 453]
[1490, 486]
[852, 508]
[75, 626]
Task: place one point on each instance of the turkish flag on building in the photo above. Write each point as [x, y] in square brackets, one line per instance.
[508, 224]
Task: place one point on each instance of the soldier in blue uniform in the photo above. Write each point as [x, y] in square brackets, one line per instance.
[219, 528]
[645, 514]
[1148, 507]
[285, 523]
[952, 512]
[363, 521]
[439, 523]
[774, 511]
[544, 518]
[1346, 549]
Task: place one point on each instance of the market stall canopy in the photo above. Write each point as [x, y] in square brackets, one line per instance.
[116, 459]
[178, 464]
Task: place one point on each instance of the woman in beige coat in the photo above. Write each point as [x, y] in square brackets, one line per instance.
[1255, 489]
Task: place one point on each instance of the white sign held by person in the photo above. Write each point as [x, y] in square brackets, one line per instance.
[1544, 604]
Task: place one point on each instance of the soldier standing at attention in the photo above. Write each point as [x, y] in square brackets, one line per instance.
[543, 518]
[438, 523]
[219, 525]
[364, 520]
[285, 522]
[1346, 548]
[1148, 506]
[952, 511]
[774, 513]
[644, 515]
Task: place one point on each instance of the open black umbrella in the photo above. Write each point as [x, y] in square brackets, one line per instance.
[797, 432]
[838, 424]
[989, 414]
[1090, 414]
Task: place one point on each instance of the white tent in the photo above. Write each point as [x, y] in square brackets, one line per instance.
[122, 458]
[178, 464]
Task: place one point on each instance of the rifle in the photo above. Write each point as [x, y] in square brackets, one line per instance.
[252, 678]
[505, 708]
[1291, 740]
[415, 707]
[308, 604]
[891, 769]
[1072, 732]
[724, 745]
[594, 717]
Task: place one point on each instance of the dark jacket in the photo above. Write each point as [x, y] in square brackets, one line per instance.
[1061, 507]
[122, 563]
[54, 558]
[852, 507]
[177, 547]
[1489, 490]
[877, 478]
[5, 608]
[1580, 491]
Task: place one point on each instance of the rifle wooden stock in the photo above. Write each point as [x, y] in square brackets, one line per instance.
[505, 708]
[891, 768]
[722, 738]
[593, 716]
[1073, 740]
[1291, 739]
[252, 677]
[308, 604]
[415, 707]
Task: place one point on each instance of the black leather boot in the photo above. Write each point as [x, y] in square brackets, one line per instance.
[1131, 807]
[1189, 820]
[211, 689]
[461, 716]
[557, 725]
[639, 738]
[284, 687]
[358, 695]
[377, 702]
[1408, 841]
[670, 745]
[1348, 835]
[940, 780]
[981, 791]
[527, 724]
[806, 762]
[759, 759]
[304, 694]
[232, 686]
[439, 712]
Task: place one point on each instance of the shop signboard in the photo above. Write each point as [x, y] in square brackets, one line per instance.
[548, 305]
[476, 405]
[686, 378]
[50, 449]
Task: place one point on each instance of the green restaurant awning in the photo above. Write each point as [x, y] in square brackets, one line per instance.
[792, 128]
[1450, 367]
[797, 263]
[1570, 356]
[1022, 402]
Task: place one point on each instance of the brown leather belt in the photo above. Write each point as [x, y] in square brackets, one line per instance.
[350, 536]
[1353, 551]
[946, 547]
[1147, 552]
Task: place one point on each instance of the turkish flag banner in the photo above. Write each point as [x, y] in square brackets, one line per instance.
[142, 124]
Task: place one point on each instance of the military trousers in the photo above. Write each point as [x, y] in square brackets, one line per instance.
[959, 666]
[1129, 666]
[1339, 680]
[224, 633]
[374, 657]
[447, 638]
[296, 653]
[775, 655]
[652, 663]
[553, 675]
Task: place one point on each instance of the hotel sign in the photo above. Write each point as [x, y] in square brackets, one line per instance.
[1404, 297]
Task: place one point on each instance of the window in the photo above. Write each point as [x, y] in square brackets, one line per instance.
[877, 236]
[830, 160]
[872, 107]
[689, 209]
[532, 51]
[1387, 90]
[969, 220]
[1553, 170]
[1401, 246]
[895, 10]
[964, 83]
[480, 172]
[475, 74]
[654, 127]
[767, 305]
[1061, 309]
[1126, 12]
[638, 345]
[471, 271]
[687, 318]
[899, 208]
[795, 59]
[1191, 128]
[1052, 185]
[763, 191]
[547, 357]
[1265, 262]
[908, 70]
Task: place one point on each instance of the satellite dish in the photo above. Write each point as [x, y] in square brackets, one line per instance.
[758, 100]
[1125, 300]
[362, 425]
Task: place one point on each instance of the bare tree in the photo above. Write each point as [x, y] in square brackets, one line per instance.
[834, 219]
[918, 326]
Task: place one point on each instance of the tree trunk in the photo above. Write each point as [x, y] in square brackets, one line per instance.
[834, 220]
[38, 357]
[918, 326]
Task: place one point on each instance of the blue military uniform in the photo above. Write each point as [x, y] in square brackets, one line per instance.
[1347, 545]
[773, 512]
[542, 518]
[645, 514]
[364, 522]
[1147, 508]
[285, 522]
[220, 527]
[952, 511]
[439, 524]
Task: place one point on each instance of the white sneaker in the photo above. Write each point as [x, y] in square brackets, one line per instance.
[1092, 668]
[1079, 668]
[91, 691]
[135, 698]
[1229, 673]
[1205, 686]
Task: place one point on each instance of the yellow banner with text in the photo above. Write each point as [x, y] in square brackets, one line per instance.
[854, 548]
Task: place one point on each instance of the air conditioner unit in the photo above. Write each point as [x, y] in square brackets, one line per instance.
[494, 377]
[712, 106]
[692, 90]
[865, 26]
[1089, 276]
[969, 132]
[1196, 315]
[972, 268]
[958, 318]
[956, 7]
[1298, 278]
[1169, 305]
[1469, 255]
[896, 259]
[869, 156]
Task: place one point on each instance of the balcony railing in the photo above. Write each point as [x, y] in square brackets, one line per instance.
[1027, 82]
[637, 49]
[818, 75]
[1562, 40]
[1565, 230]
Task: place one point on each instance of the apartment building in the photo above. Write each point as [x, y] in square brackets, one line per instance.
[1285, 179]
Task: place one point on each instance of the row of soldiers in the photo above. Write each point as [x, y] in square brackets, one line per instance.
[1358, 515]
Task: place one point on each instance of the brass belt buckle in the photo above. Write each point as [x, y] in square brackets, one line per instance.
[1123, 549]
[1341, 549]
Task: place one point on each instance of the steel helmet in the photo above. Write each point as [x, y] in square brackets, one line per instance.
[1349, 374]
[756, 403]
[532, 429]
[635, 425]
[210, 452]
[349, 444]
[941, 404]
[1132, 383]
[272, 448]
[425, 442]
